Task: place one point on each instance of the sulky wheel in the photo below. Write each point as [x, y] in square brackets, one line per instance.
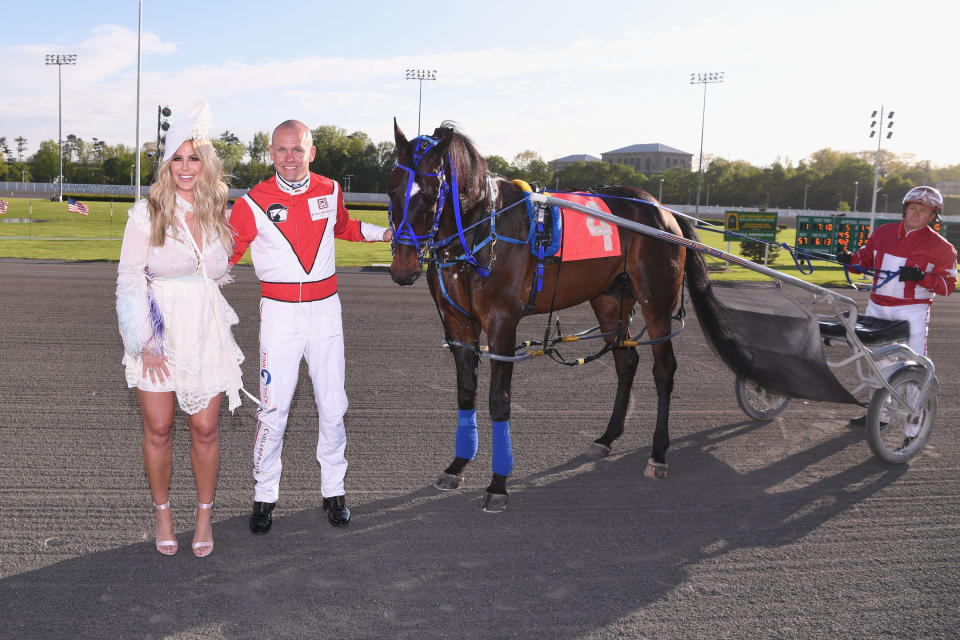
[757, 402]
[890, 432]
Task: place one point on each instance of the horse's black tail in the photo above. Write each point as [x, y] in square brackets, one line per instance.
[713, 316]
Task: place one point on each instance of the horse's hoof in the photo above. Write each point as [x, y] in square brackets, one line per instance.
[494, 502]
[448, 481]
[655, 470]
[598, 450]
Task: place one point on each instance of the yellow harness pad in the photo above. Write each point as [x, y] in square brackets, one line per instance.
[523, 186]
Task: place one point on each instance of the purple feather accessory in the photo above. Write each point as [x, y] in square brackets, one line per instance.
[154, 343]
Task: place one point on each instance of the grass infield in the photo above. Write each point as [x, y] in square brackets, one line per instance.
[42, 229]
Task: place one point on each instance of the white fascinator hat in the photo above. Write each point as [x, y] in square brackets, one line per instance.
[194, 125]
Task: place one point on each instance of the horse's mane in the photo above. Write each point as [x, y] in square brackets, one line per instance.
[471, 166]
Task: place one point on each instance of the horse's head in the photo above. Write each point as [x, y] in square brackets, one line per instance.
[417, 190]
[437, 173]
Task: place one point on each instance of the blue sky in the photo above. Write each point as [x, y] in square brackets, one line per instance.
[559, 78]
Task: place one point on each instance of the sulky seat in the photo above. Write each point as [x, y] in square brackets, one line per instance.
[870, 330]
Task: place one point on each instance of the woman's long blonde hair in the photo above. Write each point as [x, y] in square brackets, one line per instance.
[209, 199]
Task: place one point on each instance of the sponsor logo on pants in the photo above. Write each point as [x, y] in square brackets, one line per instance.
[262, 432]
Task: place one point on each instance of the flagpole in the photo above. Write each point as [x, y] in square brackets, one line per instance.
[136, 149]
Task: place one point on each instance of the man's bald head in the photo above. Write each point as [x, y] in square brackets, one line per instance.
[292, 150]
[294, 125]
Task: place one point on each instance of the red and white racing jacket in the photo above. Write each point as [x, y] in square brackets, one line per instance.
[290, 231]
[890, 248]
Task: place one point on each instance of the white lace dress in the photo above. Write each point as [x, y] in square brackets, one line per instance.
[169, 302]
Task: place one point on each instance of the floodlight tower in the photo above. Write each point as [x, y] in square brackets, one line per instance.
[704, 79]
[421, 75]
[876, 129]
[60, 60]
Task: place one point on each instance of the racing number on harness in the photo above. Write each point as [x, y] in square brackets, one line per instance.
[600, 228]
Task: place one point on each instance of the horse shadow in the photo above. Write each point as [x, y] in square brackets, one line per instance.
[583, 544]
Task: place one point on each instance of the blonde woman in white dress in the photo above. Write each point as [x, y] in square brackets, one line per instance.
[174, 321]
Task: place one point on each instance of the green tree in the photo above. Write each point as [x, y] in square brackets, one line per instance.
[21, 173]
[530, 167]
[45, 163]
[229, 137]
[498, 165]
[230, 151]
[852, 179]
[259, 148]
[119, 165]
[824, 160]
[348, 158]
[754, 250]
[98, 149]
[385, 156]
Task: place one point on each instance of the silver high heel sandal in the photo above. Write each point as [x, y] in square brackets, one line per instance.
[162, 544]
[204, 548]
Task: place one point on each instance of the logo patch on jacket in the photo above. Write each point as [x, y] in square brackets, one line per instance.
[277, 213]
[322, 208]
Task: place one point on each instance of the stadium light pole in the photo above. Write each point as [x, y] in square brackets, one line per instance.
[60, 59]
[806, 188]
[136, 144]
[420, 75]
[704, 79]
[856, 194]
[876, 130]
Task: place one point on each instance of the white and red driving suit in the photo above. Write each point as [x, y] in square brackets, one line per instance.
[890, 248]
[290, 229]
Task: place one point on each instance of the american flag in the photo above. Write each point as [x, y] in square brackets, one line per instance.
[3, 206]
[76, 206]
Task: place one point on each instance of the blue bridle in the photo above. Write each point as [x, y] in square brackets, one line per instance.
[404, 233]
[426, 243]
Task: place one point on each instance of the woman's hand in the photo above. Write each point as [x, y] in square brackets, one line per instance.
[154, 366]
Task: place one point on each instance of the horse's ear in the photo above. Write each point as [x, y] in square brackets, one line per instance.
[398, 136]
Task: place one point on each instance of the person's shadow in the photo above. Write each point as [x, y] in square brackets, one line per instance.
[582, 545]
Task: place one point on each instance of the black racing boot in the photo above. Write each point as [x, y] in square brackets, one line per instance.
[262, 517]
[337, 512]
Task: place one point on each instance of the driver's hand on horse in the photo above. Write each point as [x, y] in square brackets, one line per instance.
[911, 274]
[844, 257]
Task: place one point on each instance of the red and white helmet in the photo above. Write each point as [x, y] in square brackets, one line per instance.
[927, 196]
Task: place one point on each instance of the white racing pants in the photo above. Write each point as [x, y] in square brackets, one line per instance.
[918, 315]
[289, 332]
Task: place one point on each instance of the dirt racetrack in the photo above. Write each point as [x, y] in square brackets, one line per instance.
[789, 529]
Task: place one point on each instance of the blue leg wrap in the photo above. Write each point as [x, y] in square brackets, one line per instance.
[467, 433]
[502, 449]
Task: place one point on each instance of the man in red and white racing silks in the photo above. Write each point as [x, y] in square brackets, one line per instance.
[290, 222]
[913, 263]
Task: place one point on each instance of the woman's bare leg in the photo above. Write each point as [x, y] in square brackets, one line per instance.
[205, 457]
[157, 411]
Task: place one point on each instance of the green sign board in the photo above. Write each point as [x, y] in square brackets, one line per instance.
[760, 225]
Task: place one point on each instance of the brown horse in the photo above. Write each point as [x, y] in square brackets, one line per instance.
[473, 230]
